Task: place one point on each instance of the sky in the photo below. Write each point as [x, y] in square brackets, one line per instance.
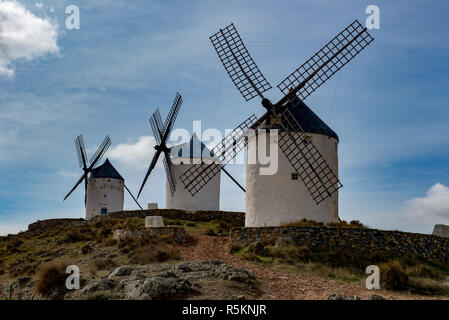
[389, 105]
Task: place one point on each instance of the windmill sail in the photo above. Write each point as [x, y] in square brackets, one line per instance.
[238, 63]
[303, 155]
[326, 62]
[161, 133]
[197, 176]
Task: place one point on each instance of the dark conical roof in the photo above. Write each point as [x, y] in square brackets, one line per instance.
[106, 170]
[195, 148]
[309, 120]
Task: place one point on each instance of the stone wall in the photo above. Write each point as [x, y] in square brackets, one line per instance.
[355, 240]
[179, 235]
[237, 219]
[41, 225]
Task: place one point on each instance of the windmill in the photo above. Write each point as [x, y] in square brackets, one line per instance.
[161, 133]
[88, 167]
[91, 166]
[303, 156]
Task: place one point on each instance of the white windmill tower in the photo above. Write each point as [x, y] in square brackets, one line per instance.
[103, 185]
[185, 156]
[105, 191]
[309, 155]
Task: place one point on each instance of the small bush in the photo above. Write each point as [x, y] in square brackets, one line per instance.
[110, 242]
[103, 263]
[211, 232]
[76, 236]
[154, 253]
[51, 278]
[251, 256]
[428, 287]
[423, 271]
[393, 276]
[311, 223]
[86, 249]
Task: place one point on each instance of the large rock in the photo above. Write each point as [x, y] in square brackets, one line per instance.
[441, 230]
[120, 272]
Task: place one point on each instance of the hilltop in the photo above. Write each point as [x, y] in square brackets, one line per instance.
[201, 266]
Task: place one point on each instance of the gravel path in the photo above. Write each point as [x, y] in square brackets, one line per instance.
[278, 284]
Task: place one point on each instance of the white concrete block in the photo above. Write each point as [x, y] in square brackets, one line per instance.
[441, 230]
[152, 206]
[154, 222]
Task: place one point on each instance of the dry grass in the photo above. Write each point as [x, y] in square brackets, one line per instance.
[51, 278]
[311, 223]
[417, 277]
[103, 263]
[147, 249]
[394, 276]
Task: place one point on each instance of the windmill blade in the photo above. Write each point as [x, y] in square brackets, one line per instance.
[132, 196]
[169, 172]
[81, 151]
[100, 151]
[171, 118]
[197, 176]
[238, 63]
[233, 179]
[326, 62]
[152, 165]
[84, 176]
[155, 122]
[318, 177]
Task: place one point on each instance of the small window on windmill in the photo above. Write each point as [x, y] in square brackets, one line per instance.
[294, 176]
[104, 210]
[307, 139]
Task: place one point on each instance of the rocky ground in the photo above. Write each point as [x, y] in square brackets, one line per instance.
[284, 285]
[202, 268]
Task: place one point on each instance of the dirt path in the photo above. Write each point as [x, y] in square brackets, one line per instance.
[278, 284]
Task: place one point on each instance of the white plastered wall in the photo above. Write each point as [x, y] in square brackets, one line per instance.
[104, 193]
[208, 198]
[273, 200]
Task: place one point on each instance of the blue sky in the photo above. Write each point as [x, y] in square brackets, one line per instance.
[389, 106]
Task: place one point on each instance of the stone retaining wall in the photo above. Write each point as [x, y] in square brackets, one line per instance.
[179, 235]
[356, 240]
[41, 225]
[237, 219]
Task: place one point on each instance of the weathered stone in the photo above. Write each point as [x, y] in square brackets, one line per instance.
[120, 272]
[154, 222]
[441, 230]
[163, 288]
[355, 240]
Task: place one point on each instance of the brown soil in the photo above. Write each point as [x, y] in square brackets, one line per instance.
[282, 285]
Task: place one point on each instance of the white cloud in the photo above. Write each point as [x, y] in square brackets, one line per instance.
[431, 209]
[69, 174]
[23, 35]
[136, 154]
[6, 229]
